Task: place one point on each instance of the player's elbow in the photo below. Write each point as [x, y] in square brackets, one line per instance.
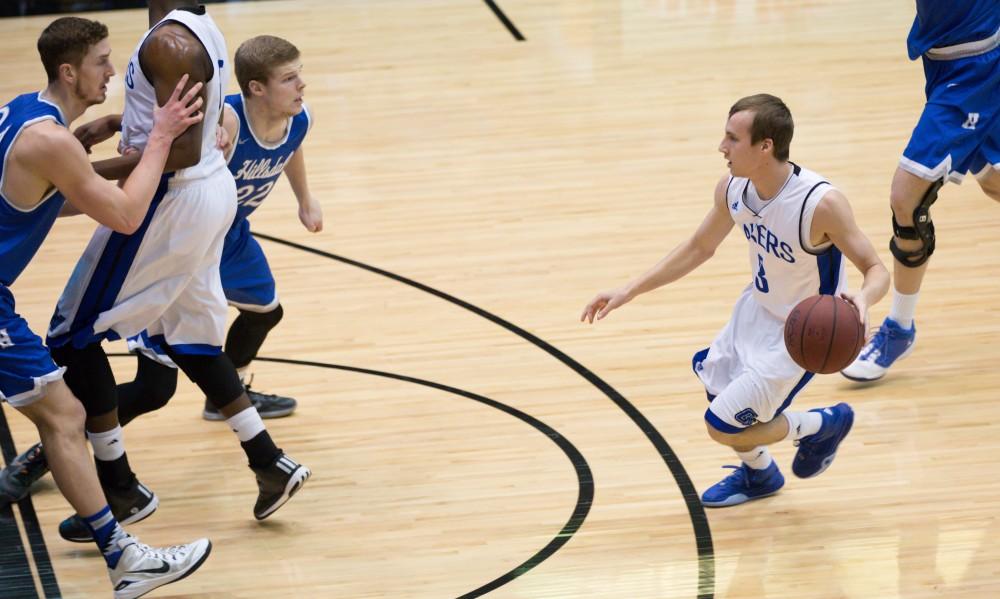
[124, 221]
[124, 225]
[700, 251]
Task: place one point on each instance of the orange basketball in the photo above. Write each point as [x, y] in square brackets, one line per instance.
[823, 334]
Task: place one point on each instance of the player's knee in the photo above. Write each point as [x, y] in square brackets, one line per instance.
[63, 414]
[214, 375]
[903, 205]
[723, 438]
[262, 321]
[162, 392]
[991, 185]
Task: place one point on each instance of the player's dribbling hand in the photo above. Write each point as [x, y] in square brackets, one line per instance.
[602, 304]
[858, 301]
[179, 112]
[311, 215]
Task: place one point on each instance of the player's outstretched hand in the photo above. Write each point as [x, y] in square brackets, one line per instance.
[603, 303]
[858, 301]
[179, 112]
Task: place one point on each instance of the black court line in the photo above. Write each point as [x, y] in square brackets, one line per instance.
[696, 512]
[503, 19]
[584, 477]
[16, 581]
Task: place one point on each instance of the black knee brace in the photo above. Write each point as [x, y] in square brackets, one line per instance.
[922, 230]
[248, 332]
[214, 375]
[89, 376]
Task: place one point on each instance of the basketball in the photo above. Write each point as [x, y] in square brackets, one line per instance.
[823, 334]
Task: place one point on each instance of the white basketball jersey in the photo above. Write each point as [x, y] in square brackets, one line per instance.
[140, 95]
[785, 267]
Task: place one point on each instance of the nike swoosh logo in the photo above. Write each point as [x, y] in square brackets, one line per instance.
[164, 568]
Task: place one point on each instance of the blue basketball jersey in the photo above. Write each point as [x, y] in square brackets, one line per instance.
[22, 231]
[942, 23]
[256, 165]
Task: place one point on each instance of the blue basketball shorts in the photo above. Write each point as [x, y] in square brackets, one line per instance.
[959, 129]
[246, 276]
[25, 364]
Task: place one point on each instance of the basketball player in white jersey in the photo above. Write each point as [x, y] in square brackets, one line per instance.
[42, 166]
[165, 277]
[798, 228]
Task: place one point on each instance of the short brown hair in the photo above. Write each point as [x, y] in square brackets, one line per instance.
[66, 41]
[771, 120]
[258, 55]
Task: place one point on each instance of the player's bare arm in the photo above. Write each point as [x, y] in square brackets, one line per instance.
[170, 52]
[98, 130]
[834, 221]
[227, 135]
[121, 209]
[686, 257]
[310, 211]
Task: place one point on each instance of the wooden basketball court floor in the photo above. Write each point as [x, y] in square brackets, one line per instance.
[468, 436]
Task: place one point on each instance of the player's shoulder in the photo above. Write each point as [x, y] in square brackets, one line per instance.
[808, 177]
[234, 100]
[172, 46]
[46, 136]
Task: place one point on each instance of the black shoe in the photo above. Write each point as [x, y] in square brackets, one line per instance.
[129, 506]
[268, 406]
[16, 479]
[277, 483]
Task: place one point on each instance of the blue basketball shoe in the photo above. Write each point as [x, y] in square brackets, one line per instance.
[892, 342]
[816, 452]
[743, 485]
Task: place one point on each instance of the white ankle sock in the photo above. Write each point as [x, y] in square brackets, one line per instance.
[109, 445]
[903, 308]
[247, 424]
[757, 458]
[802, 424]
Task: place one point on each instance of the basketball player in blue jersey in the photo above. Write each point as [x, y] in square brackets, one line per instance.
[798, 229]
[270, 121]
[164, 278]
[43, 165]
[266, 124]
[957, 133]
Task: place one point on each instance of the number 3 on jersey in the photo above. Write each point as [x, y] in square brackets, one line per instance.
[245, 195]
[760, 281]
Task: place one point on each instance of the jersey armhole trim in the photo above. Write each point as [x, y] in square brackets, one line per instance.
[807, 248]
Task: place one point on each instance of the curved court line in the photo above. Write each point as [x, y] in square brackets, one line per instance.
[584, 476]
[696, 512]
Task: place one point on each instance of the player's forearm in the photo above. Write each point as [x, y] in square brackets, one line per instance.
[295, 171]
[143, 181]
[117, 168]
[678, 263]
[875, 284]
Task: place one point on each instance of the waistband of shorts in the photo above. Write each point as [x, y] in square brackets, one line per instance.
[966, 49]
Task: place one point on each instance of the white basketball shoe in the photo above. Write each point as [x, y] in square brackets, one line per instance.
[142, 568]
